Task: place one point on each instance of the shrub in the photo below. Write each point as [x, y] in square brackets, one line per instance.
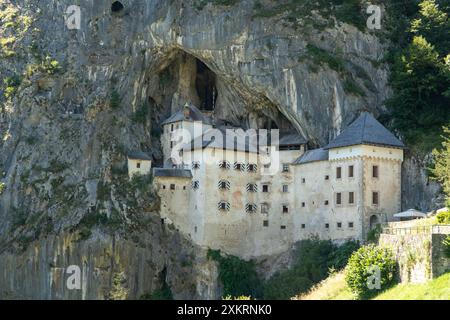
[285, 285]
[2, 187]
[238, 277]
[360, 270]
[141, 114]
[114, 100]
[374, 234]
[161, 294]
[443, 217]
[446, 244]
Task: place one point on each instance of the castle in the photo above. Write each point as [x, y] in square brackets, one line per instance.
[219, 195]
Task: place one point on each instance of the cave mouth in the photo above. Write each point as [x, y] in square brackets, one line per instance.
[117, 6]
[205, 85]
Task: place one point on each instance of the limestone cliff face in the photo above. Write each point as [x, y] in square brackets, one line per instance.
[67, 128]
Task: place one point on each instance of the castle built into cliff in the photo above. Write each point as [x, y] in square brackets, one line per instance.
[223, 196]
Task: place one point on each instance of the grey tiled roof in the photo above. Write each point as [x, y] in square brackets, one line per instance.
[312, 156]
[194, 115]
[139, 155]
[168, 172]
[292, 140]
[207, 140]
[365, 130]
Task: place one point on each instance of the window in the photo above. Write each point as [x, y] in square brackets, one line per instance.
[224, 165]
[326, 202]
[252, 187]
[195, 165]
[265, 188]
[172, 187]
[350, 224]
[195, 185]
[283, 227]
[303, 226]
[351, 197]
[252, 167]
[184, 187]
[285, 167]
[138, 165]
[327, 226]
[375, 198]
[338, 198]
[264, 208]
[327, 177]
[285, 188]
[250, 207]
[375, 171]
[303, 180]
[285, 209]
[303, 204]
[339, 225]
[224, 185]
[223, 206]
[338, 172]
[164, 187]
[350, 171]
[265, 223]
[238, 166]
[171, 144]
[171, 127]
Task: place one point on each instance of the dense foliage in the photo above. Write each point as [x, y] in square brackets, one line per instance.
[443, 217]
[441, 169]
[238, 277]
[420, 76]
[362, 267]
[314, 259]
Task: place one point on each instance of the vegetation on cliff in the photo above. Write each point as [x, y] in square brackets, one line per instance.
[420, 78]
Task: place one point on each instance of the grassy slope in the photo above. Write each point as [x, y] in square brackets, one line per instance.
[334, 288]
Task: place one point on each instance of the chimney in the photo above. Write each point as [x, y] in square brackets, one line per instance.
[186, 111]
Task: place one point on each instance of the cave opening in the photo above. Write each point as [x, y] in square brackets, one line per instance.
[117, 6]
[205, 85]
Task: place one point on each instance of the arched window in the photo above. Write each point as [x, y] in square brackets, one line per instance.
[224, 185]
[252, 167]
[250, 207]
[252, 187]
[239, 166]
[223, 206]
[224, 165]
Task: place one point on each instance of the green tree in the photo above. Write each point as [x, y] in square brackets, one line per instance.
[441, 169]
[433, 24]
[421, 82]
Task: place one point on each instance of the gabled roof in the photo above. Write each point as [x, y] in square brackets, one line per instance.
[194, 115]
[169, 172]
[312, 156]
[292, 139]
[139, 155]
[365, 130]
